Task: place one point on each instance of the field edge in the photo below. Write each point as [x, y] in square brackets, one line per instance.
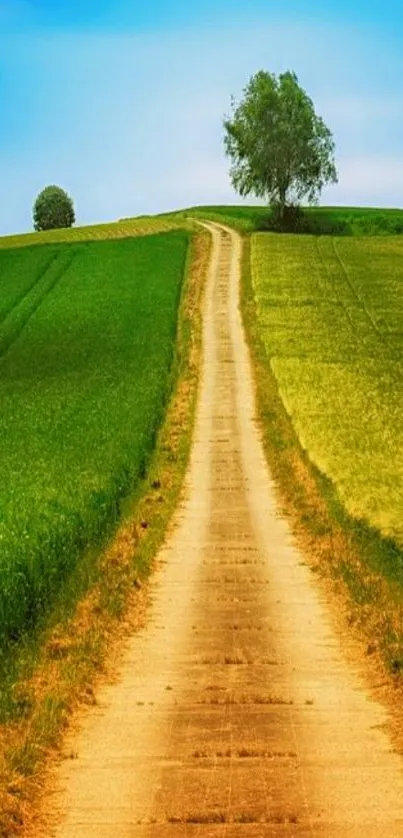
[77, 651]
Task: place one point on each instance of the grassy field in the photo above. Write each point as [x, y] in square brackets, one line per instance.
[141, 226]
[346, 221]
[87, 339]
[330, 311]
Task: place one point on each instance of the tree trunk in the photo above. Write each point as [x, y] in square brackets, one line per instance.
[282, 196]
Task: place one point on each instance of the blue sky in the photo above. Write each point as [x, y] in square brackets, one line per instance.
[121, 103]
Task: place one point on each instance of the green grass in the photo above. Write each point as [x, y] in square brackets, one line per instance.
[330, 313]
[16, 281]
[43, 678]
[86, 355]
[245, 219]
[349, 221]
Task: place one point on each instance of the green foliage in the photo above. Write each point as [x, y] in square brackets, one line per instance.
[280, 149]
[331, 316]
[53, 209]
[353, 221]
[86, 352]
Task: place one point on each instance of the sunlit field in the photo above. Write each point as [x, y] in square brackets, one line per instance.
[331, 314]
[87, 342]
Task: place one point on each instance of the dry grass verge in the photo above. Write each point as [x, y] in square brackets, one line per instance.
[69, 657]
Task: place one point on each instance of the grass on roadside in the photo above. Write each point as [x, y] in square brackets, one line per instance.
[365, 565]
[60, 668]
[86, 368]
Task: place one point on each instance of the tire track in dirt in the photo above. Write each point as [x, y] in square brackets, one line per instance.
[235, 712]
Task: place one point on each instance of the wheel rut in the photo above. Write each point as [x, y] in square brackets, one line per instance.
[235, 712]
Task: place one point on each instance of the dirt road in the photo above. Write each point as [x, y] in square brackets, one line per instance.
[235, 713]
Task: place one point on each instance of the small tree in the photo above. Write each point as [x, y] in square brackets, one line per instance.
[280, 149]
[53, 209]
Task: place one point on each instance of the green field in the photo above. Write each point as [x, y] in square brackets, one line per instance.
[330, 312]
[87, 342]
[87, 336]
[140, 226]
[346, 221]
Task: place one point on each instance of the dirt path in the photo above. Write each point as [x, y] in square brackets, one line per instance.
[235, 713]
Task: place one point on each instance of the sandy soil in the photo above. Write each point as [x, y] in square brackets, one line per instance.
[235, 712]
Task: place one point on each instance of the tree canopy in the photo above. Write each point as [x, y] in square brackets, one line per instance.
[53, 209]
[280, 149]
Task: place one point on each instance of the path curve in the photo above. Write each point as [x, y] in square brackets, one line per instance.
[235, 712]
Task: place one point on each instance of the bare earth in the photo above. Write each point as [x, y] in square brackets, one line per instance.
[235, 712]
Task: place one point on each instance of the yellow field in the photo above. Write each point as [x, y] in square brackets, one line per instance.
[331, 316]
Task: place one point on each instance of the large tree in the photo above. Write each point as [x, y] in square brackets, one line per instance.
[53, 209]
[280, 149]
